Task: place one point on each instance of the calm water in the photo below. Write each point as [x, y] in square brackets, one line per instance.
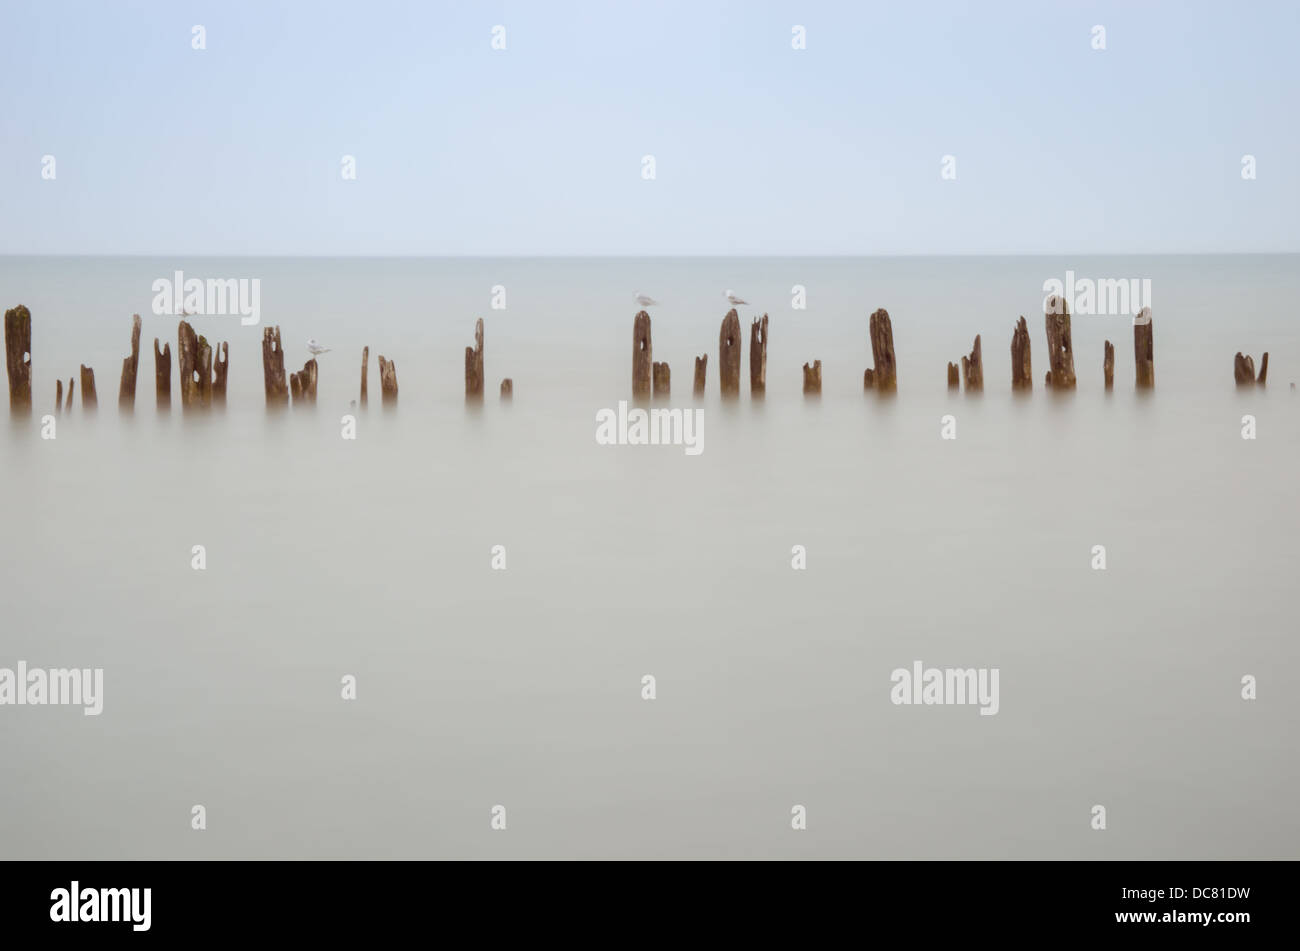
[522, 687]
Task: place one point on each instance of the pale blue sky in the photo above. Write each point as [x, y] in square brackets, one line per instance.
[759, 148]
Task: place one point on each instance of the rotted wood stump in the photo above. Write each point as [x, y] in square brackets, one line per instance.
[1022, 370]
[882, 377]
[126, 388]
[194, 361]
[972, 368]
[507, 389]
[387, 381]
[701, 371]
[662, 381]
[277, 388]
[1108, 364]
[89, 399]
[1243, 370]
[474, 364]
[812, 379]
[954, 376]
[758, 357]
[58, 396]
[1143, 354]
[162, 374]
[1263, 370]
[220, 368]
[72, 385]
[1060, 344]
[303, 383]
[365, 368]
[642, 357]
[729, 354]
[18, 358]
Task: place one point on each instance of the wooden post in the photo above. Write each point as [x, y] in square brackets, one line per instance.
[1060, 344]
[89, 399]
[126, 388]
[1022, 371]
[662, 381]
[18, 358]
[729, 354]
[758, 357]
[1108, 364]
[277, 391]
[507, 389]
[884, 375]
[58, 396]
[220, 368]
[642, 356]
[1243, 370]
[365, 368]
[188, 357]
[1263, 370]
[972, 368]
[387, 381]
[474, 364]
[812, 379]
[162, 374]
[701, 371]
[303, 383]
[954, 376]
[72, 381]
[1142, 352]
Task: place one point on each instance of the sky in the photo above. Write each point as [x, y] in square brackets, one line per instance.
[539, 148]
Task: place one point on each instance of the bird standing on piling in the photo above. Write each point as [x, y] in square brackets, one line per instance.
[315, 349]
[735, 301]
[644, 301]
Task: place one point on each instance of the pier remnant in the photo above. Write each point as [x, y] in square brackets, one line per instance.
[812, 379]
[58, 395]
[1263, 370]
[126, 387]
[18, 357]
[884, 375]
[701, 371]
[1108, 364]
[1022, 371]
[507, 389]
[1243, 370]
[662, 380]
[474, 364]
[729, 354]
[303, 383]
[277, 389]
[162, 374]
[72, 385]
[972, 368]
[642, 356]
[387, 381]
[954, 376]
[220, 367]
[1142, 349]
[194, 361]
[365, 368]
[89, 399]
[1060, 344]
[758, 357]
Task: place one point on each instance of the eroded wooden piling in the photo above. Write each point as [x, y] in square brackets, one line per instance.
[1263, 370]
[1243, 370]
[883, 376]
[194, 362]
[729, 354]
[662, 381]
[642, 357]
[1022, 370]
[972, 368]
[1060, 344]
[1143, 354]
[365, 369]
[954, 376]
[1108, 364]
[758, 357]
[89, 399]
[58, 396]
[277, 389]
[507, 389]
[474, 364]
[387, 381]
[162, 374]
[302, 385]
[18, 358]
[812, 379]
[220, 368]
[701, 372]
[72, 385]
[126, 388]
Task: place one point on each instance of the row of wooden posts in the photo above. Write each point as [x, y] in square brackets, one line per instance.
[204, 369]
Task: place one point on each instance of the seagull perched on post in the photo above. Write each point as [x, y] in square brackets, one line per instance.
[735, 301]
[315, 349]
[645, 301]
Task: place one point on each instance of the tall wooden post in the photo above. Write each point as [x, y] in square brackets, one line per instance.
[972, 368]
[758, 357]
[729, 354]
[1142, 349]
[72, 385]
[883, 376]
[89, 399]
[126, 388]
[1060, 344]
[642, 357]
[474, 364]
[365, 368]
[162, 374]
[1022, 371]
[58, 396]
[277, 390]
[1263, 369]
[1108, 364]
[18, 358]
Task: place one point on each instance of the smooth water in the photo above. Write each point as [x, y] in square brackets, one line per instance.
[522, 687]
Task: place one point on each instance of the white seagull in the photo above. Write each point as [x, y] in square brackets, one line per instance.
[645, 301]
[315, 349]
[735, 301]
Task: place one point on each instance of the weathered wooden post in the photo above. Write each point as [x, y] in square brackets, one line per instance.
[1022, 371]
[1142, 349]
[642, 356]
[1108, 364]
[303, 383]
[507, 389]
[365, 368]
[58, 396]
[1060, 344]
[812, 379]
[701, 371]
[1243, 370]
[18, 358]
[72, 380]
[1263, 370]
[883, 377]
[162, 374]
[387, 381]
[277, 390]
[729, 354]
[972, 368]
[126, 388]
[758, 357]
[188, 359]
[662, 381]
[220, 368]
[89, 399]
[474, 364]
[954, 376]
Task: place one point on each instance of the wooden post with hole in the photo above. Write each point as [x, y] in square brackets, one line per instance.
[277, 389]
[18, 358]
[758, 357]
[126, 388]
[883, 376]
[220, 369]
[729, 354]
[1060, 344]
[1022, 370]
[642, 357]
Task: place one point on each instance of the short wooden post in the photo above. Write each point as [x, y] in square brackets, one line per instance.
[1022, 371]
[1060, 344]
[701, 371]
[365, 368]
[387, 381]
[58, 396]
[18, 358]
[89, 399]
[972, 368]
[220, 368]
[758, 357]
[812, 379]
[277, 390]
[303, 383]
[72, 385]
[1142, 349]
[162, 374]
[662, 381]
[1108, 364]
[474, 364]
[729, 354]
[883, 376]
[507, 389]
[1263, 370]
[126, 388]
[954, 376]
[642, 356]
[1243, 370]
